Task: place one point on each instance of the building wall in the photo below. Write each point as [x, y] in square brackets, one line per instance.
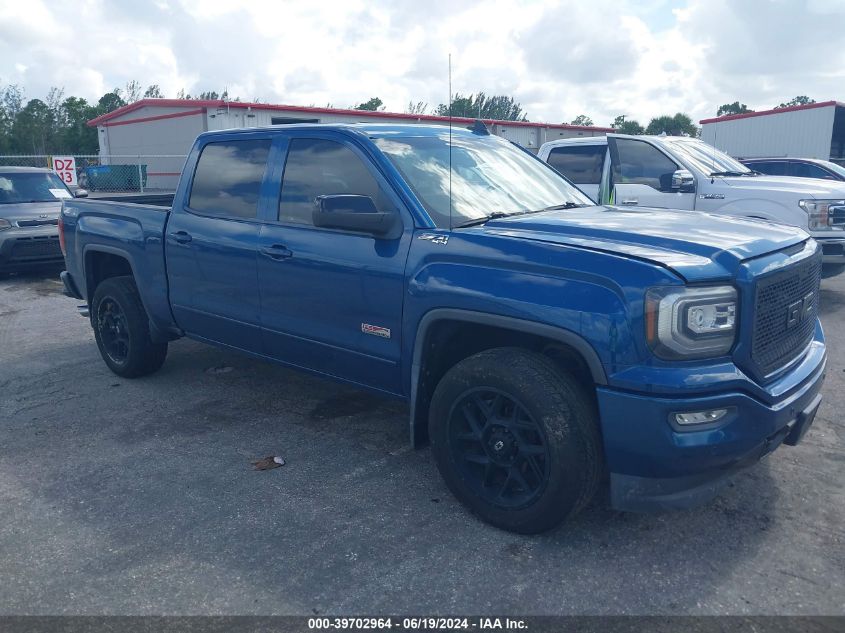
[163, 143]
[798, 133]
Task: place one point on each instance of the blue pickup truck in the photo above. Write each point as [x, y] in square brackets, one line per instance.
[546, 345]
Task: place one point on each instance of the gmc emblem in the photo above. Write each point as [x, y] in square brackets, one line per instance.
[798, 311]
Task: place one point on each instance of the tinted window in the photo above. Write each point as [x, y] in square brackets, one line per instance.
[641, 163]
[808, 170]
[321, 168]
[228, 178]
[771, 167]
[580, 163]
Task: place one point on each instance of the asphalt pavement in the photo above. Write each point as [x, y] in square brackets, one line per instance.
[138, 497]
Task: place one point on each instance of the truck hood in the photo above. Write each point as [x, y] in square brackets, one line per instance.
[803, 187]
[30, 210]
[697, 246]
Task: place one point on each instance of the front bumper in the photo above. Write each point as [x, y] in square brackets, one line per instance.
[656, 465]
[833, 250]
[21, 249]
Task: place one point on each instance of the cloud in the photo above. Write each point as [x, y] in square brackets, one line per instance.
[557, 58]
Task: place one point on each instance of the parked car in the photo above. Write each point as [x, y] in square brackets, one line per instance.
[798, 167]
[30, 202]
[541, 341]
[686, 173]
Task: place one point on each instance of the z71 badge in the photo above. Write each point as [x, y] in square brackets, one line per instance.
[375, 330]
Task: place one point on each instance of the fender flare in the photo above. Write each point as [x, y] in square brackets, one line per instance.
[567, 337]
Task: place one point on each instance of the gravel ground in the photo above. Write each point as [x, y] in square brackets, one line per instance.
[138, 497]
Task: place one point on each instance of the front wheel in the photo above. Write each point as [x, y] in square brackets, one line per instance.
[515, 439]
[122, 329]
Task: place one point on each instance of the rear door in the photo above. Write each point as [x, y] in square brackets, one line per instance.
[212, 242]
[641, 175]
[582, 164]
[331, 300]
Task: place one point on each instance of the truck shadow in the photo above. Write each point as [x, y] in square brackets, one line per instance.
[161, 471]
[43, 281]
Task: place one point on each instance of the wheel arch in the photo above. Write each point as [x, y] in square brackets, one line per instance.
[570, 346]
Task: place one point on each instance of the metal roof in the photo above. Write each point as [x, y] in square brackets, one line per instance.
[105, 119]
[747, 115]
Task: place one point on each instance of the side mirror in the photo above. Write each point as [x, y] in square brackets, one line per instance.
[80, 193]
[683, 181]
[353, 213]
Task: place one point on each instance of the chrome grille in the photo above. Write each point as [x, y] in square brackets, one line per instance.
[785, 314]
[25, 223]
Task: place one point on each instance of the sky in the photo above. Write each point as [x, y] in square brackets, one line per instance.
[558, 59]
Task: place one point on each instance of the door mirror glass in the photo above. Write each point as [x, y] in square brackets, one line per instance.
[683, 181]
[353, 213]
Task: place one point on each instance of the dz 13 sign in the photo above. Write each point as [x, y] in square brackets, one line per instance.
[65, 168]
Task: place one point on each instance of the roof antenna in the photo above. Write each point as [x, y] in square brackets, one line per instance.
[450, 141]
[713, 168]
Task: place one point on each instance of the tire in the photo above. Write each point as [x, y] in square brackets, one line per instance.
[516, 439]
[122, 329]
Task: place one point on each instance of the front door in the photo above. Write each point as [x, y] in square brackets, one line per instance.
[331, 300]
[211, 245]
[641, 175]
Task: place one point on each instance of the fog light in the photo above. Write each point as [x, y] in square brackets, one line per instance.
[700, 417]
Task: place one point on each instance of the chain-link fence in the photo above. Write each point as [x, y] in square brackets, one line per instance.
[108, 174]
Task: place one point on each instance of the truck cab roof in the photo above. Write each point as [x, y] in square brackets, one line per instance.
[372, 130]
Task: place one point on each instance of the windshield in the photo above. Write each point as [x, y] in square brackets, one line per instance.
[834, 167]
[31, 187]
[490, 176]
[706, 158]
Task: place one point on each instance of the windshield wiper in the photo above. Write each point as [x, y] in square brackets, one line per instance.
[565, 205]
[730, 173]
[476, 221]
[500, 214]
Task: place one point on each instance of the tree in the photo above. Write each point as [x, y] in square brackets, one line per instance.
[110, 101]
[623, 126]
[32, 128]
[373, 105]
[420, 107]
[582, 119]
[497, 107]
[153, 92]
[796, 101]
[77, 137]
[732, 108]
[678, 125]
[133, 91]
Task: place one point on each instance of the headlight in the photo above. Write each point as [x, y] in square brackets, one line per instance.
[5, 224]
[824, 215]
[693, 322]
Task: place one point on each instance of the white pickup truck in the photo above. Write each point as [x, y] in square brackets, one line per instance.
[685, 173]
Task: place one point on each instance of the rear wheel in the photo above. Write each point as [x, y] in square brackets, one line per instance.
[515, 439]
[122, 329]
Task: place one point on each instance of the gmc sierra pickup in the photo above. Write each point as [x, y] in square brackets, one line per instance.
[545, 344]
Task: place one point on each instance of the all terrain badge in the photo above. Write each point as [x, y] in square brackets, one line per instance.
[375, 330]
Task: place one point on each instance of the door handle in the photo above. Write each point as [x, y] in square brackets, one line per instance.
[181, 237]
[277, 252]
[630, 201]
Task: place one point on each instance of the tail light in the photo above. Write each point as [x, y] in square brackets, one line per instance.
[62, 236]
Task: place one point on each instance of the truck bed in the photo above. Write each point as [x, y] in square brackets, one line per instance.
[97, 230]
